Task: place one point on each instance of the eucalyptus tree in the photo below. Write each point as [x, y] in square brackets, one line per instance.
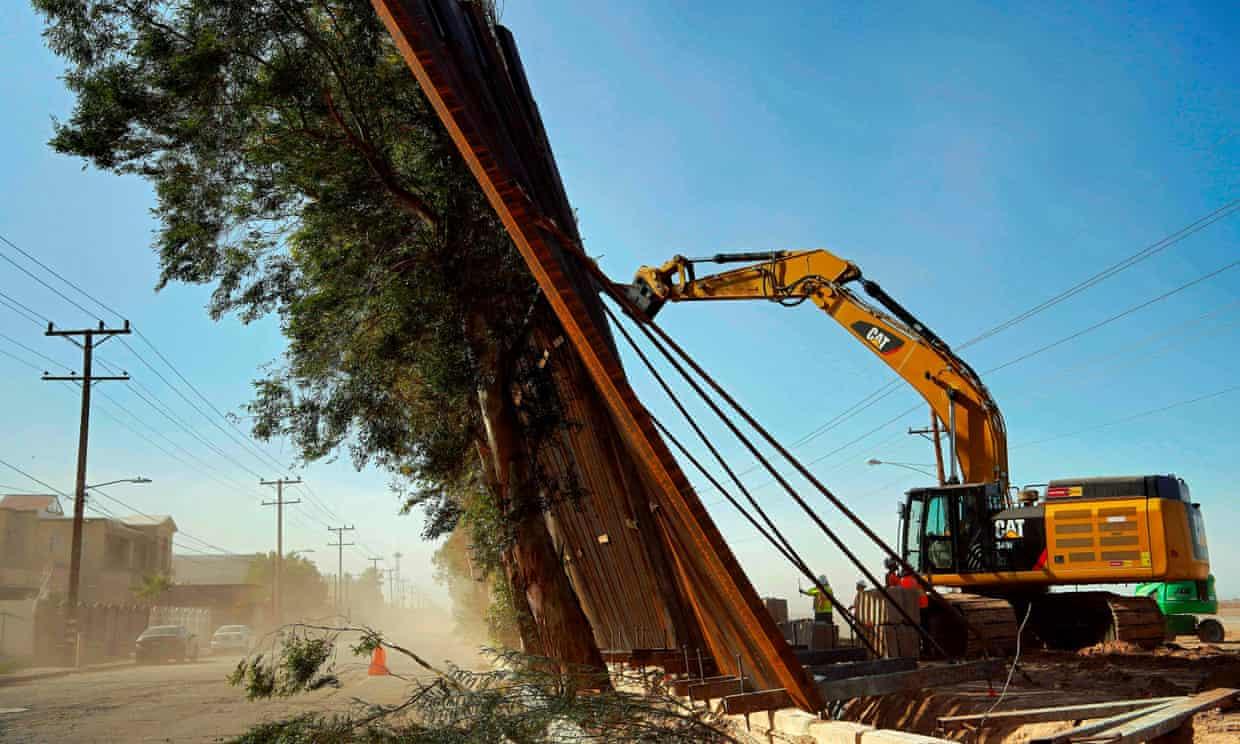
[300, 171]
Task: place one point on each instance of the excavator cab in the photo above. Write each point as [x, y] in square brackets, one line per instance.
[950, 529]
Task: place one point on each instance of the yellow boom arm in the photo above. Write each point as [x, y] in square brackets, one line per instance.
[953, 390]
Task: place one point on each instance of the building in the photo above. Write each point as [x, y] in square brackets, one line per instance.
[47, 506]
[117, 554]
[21, 564]
[219, 583]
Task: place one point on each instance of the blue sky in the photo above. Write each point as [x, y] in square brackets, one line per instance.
[973, 160]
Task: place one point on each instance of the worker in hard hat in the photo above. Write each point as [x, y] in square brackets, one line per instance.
[822, 601]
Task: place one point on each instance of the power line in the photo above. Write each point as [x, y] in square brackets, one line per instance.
[185, 398]
[1134, 416]
[1117, 316]
[161, 408]
[1145, 253]
[249, 447]
[122, 407]
[246, 442]
[54, 273]
[139, 512]
[45, 484]
[55, 291]
[37, 353]
[23, 310]
[16, 358]
[243, 443]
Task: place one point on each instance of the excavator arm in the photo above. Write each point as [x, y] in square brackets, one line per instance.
[953, 390]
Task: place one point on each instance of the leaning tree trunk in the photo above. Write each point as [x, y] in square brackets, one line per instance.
[563, 632]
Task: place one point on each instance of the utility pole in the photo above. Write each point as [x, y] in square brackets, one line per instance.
[933, 434]
[374, 563]
[87, 380]
[339, 545]
[277, 596]
[394, 578]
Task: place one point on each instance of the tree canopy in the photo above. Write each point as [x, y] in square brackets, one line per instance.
[303, 588]
[300, 171]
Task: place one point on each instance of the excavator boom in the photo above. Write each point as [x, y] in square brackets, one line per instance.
[952, 389]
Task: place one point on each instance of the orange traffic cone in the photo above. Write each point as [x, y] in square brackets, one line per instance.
[378, 663]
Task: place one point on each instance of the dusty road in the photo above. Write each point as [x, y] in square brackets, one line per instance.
[172, 702]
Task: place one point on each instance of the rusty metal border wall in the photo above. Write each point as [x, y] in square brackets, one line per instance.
[475, 81]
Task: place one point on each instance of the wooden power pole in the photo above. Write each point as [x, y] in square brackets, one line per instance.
[87, 380]
[277, 597]
[393, 578]
[339, 545]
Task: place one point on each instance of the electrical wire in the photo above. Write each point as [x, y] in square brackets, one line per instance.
[1134, 417]
[141, 513]
[1122, 314]
[22, 310]
[1011, 668]
[244, 441]
[1145, 253]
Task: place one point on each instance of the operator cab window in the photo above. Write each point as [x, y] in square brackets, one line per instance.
[939, 534]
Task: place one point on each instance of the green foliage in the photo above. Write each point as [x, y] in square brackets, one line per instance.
[303, 662]
[300, 171]
[304, 589]
[520, 700]
[152, 586]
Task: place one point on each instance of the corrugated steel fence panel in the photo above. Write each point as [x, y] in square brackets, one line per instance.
[475, 82]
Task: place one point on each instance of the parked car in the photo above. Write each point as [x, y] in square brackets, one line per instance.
[232, 639]
[162, 642]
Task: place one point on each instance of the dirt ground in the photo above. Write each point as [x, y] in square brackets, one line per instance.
[194, 702]
[1045, 679]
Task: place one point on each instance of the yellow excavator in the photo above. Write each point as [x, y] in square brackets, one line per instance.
[1003, 548]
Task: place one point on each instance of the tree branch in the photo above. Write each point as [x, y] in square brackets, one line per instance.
[382, 169]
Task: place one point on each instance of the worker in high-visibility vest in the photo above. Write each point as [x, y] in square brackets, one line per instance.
[822, 602]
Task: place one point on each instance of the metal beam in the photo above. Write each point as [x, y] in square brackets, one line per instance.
[479, 92]
[718, 688]
[847, 669]
[927, 676]
[756, 702]
[829, 655]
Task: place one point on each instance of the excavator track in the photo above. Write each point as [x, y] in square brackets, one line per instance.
[1075, 620]
[994, 620]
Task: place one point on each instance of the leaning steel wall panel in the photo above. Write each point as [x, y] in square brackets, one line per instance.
[474, 80]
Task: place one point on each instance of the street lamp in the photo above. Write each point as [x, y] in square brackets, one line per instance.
[905, 465]
[138, 479]
[295, 552]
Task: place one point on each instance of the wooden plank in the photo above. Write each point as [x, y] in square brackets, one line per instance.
[677, 666]
[1089, 729]
[681, 686]
[756, 702]
[1080, 712]
[830, 655]
[844, 670]
[721, 687]
[1165, 719]
[885, 684]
